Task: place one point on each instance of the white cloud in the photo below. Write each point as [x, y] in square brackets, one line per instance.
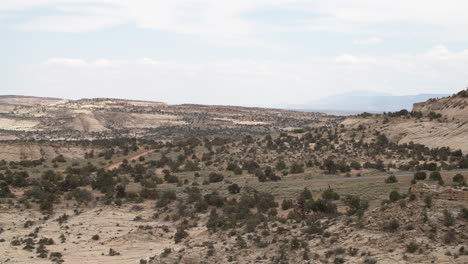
[197, 17]
[369, 41]
[70, 23]
[67, 62]
[226, 18]
[251, 82]
[354, 60]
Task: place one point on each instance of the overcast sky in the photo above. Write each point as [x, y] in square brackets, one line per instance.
[239, 52]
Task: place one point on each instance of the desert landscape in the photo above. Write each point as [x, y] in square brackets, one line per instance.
[90, 119]
[233, 131]
[120, 181]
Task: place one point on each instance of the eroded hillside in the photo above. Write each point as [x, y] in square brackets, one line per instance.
[435, 123]
[26, 118]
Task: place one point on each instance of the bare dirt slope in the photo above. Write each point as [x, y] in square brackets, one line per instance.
[29, 151]
[115, 227]
[444, 123]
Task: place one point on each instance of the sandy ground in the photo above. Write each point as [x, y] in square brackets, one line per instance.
[28, 151]
[114, 225]
[14, 124]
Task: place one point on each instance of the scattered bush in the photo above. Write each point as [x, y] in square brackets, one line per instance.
[394, 196]
[166, 252]
[234, 188]
[296, 168]
[391, 226]
[215, 177]
[329, 194]
[355, 205]
[419, 176]
[180, 234]
[449, 220]
[428, 201]
[464, 214]
[449, 237]
[459, 179]
[112, 252]
[435, 176]
[288, 204]
[412, 247]
[391, 179]
[80, 195]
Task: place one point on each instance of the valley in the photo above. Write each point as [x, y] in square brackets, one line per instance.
[116, 181]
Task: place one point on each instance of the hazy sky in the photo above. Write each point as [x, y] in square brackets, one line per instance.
[241, 52]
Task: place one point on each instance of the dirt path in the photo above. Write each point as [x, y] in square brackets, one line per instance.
[116, 165]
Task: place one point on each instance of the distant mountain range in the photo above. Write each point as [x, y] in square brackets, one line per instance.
[365, 101]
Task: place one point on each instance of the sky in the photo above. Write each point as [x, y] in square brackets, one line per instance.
[239, 52]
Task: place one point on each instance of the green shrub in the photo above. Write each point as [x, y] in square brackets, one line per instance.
[449, 220]
[112, 252]
[419, 176]
[459, 179]
[329, 194]
[180, 234]
[428, 201]
[370, 261]
[151, 194]
[464, 214]
[166, 198]
[355, 205]
[287, 204]
[391, 179]
[281, 165]
[391, 226]
[394, 196]
[166, 252]
[5, 191]
[296, 168]
[80, 195]
[412, 247]
[449, 237]
[215, 177]
[435, 176]
[170, 178]
[60, 158]
[323, 206]
[355, 165]
[214, 199]
[264, 201]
